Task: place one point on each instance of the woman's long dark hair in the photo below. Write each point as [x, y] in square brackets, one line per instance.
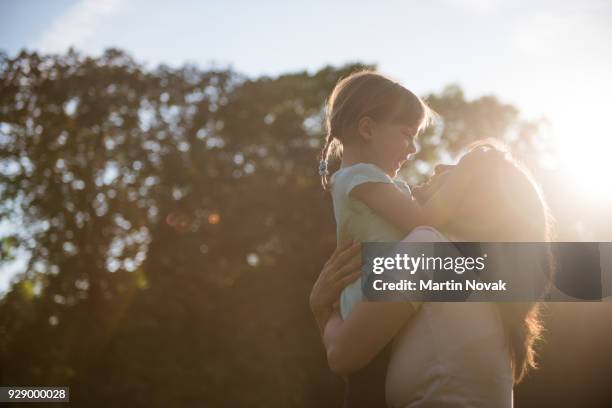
[517, 212]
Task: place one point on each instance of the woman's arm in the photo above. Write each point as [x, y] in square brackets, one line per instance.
[352, 343]
[336, 274]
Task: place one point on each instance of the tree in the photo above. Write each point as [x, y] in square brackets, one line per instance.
[175, 222]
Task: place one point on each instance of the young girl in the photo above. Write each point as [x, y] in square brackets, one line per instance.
[373, 122]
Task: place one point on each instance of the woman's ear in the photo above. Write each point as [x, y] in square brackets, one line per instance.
[365, 128]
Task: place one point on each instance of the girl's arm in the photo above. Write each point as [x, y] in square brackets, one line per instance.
[352, 343]
[388, 201]
[398, 209]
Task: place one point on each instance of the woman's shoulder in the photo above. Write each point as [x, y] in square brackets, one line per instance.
[425, 233]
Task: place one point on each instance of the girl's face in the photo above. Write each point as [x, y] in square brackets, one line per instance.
[392, 144]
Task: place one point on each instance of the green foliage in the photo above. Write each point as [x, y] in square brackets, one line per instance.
[175, 223]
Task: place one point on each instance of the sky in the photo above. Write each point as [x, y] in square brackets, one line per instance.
[549, 58]
[518, 50]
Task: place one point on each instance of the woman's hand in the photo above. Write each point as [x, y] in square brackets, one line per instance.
[337, 273]
[350, 344]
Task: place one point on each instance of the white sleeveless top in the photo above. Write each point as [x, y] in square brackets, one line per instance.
[355, 220]
[450, 354]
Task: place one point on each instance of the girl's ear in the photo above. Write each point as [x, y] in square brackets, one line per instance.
[365, 128]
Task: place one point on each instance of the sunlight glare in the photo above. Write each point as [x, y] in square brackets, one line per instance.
[584, 147]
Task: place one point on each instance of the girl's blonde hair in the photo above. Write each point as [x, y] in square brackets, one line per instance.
[366, 93]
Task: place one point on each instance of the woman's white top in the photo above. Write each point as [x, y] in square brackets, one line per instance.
[450, 354]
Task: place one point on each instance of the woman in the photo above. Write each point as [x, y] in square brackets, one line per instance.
[446, 354]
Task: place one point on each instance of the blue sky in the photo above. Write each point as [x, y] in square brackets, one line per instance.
[547, 57]
[518, 50]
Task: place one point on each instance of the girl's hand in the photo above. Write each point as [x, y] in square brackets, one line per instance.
[337, 273]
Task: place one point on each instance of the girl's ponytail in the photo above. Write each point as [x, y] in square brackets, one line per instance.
[326, 152]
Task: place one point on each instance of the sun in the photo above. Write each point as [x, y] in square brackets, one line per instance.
[584, 148]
